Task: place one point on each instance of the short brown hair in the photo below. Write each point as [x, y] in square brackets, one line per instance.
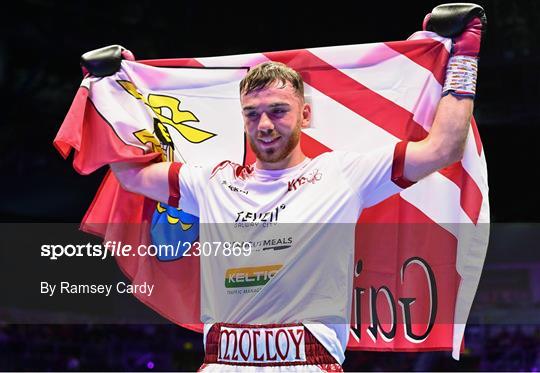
[266, 73]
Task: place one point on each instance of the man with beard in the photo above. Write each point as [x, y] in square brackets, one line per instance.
[286, 307]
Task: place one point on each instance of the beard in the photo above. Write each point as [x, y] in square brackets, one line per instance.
[276, 154]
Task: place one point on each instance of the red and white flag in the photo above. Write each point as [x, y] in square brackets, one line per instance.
[419, 254]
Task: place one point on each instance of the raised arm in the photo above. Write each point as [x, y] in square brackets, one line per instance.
[149, 180]
[445, 143]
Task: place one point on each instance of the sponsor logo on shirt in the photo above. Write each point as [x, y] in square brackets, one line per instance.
[312, 177]
[239, 171]
[250, 276]
[281, 243]
[259, 217]
[233, 188]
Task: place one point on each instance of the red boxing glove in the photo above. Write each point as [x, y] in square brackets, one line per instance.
[464, 23]
[468, 43]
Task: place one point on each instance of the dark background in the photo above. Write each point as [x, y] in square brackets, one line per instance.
[40, 45]
[43, 40]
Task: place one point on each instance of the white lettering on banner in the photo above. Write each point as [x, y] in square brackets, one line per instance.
[261, 345]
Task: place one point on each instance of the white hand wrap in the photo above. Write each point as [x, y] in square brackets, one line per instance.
[461, 74]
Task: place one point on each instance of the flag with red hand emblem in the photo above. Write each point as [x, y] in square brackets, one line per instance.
[419, 254]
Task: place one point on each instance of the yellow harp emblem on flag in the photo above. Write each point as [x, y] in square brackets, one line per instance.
[167, 113]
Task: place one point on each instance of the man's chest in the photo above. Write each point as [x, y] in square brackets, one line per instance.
[313, 195]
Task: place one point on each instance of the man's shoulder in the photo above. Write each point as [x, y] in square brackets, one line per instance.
[326, 155]
[355, 154]
[331, 156]
[337, 153]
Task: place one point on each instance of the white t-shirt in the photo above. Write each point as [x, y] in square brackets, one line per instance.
[299, 223]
